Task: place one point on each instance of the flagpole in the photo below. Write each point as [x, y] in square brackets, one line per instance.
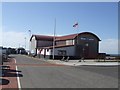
[54, 39]
[77, 34]
[76, 26]
[25, 43]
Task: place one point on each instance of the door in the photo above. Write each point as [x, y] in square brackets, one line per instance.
[86, 50]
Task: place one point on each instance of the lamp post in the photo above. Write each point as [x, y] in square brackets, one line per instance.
[29, 40]
[25, 43]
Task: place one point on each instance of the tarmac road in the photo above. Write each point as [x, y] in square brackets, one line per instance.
[40, 74]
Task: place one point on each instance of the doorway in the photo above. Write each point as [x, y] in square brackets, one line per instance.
[85, 50]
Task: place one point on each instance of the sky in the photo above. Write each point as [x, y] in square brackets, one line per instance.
[100, 18]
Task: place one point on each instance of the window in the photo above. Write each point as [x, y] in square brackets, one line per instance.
[69, 42]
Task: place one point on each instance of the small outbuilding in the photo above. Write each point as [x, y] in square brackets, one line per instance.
[40, 41]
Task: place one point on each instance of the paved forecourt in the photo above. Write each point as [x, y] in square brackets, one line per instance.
[37, 73]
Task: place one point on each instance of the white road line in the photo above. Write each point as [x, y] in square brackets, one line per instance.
[18, 79]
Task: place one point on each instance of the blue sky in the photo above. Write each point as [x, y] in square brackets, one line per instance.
[100, 18]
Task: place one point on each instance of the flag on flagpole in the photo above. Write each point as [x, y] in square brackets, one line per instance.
[75, 25]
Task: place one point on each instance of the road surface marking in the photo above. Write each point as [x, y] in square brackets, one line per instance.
[18, 79]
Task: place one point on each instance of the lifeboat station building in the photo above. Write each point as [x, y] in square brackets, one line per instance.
[75, 46]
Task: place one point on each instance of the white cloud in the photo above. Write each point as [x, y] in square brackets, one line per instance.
[14, 39]
[109, 46]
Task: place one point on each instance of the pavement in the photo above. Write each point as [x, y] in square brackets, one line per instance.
[9, 75]
[82, 63]
[86, 62]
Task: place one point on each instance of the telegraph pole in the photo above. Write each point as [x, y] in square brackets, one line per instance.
[54, 40]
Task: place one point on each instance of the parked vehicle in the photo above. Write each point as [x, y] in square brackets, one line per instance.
[21, 51]
[1, 61]
[3, 55]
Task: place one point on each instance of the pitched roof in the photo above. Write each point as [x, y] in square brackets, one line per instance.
[73, 36]
[90, 34]
[66, 37]
[42, 37]
[60, 38]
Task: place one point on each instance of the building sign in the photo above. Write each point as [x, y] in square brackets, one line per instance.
[86, 38]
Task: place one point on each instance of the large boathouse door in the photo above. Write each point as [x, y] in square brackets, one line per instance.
[86, 50]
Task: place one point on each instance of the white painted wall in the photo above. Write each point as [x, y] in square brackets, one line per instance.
[73, 42]
[69, 42]
[48, 52]
[42, 52]
[38, 51]
[33, 45]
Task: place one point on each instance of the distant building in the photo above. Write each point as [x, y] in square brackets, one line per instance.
[85, 44]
